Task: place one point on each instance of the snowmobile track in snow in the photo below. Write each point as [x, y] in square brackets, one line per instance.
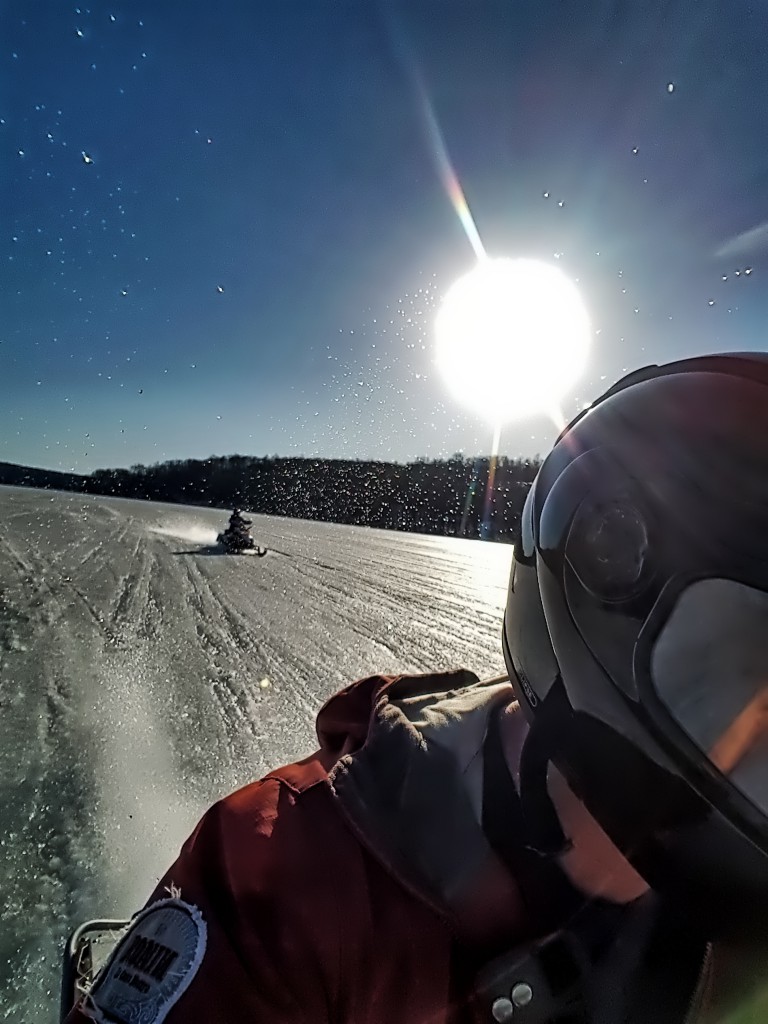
[138, 683]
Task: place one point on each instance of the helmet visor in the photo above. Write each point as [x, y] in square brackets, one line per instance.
[709, 667]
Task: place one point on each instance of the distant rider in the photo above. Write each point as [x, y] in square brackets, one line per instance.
[237, 523]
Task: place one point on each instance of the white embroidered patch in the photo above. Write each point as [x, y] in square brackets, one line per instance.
[151, 967]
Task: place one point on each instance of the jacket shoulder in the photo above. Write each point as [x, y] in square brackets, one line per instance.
[248, 914]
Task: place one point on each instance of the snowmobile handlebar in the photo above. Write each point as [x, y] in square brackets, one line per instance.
[79, 966]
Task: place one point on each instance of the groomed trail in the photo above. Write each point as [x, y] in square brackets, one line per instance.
[143, 675]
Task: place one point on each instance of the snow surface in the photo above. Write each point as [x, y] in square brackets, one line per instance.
[142, 676]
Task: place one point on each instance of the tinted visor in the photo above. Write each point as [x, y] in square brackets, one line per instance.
[709, 667]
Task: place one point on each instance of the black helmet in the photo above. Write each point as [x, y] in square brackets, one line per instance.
[636, 629]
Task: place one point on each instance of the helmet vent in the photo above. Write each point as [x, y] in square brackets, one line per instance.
[607, 548]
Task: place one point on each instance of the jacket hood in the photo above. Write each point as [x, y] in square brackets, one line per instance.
[408, 774]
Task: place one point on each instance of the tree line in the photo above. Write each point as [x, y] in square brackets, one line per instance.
[438, 496]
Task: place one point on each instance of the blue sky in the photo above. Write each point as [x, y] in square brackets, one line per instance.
[222, 230]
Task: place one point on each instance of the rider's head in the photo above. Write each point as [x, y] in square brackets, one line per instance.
[636, 629]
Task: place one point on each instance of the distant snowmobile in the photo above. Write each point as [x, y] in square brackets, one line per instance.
[237, 539]
[239, 544]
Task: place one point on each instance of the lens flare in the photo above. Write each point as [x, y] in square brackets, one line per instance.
[448, 175]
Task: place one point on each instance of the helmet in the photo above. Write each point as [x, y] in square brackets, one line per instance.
[636, 630]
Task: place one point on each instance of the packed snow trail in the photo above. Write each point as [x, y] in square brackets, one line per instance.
[143, 675]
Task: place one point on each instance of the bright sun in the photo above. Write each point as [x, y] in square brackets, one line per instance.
[512, 338]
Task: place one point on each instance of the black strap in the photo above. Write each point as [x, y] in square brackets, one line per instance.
[544, 832]
[546, 890]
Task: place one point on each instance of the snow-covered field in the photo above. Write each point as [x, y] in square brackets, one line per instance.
[142, 677]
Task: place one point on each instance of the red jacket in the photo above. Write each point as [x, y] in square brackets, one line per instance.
[341, 889]
[328, 891]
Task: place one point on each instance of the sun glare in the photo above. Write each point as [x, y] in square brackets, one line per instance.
[512, 338]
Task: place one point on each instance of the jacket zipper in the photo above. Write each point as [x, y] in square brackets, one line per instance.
[697, 999]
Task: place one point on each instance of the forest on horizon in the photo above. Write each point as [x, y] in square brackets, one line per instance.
[449, 497]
